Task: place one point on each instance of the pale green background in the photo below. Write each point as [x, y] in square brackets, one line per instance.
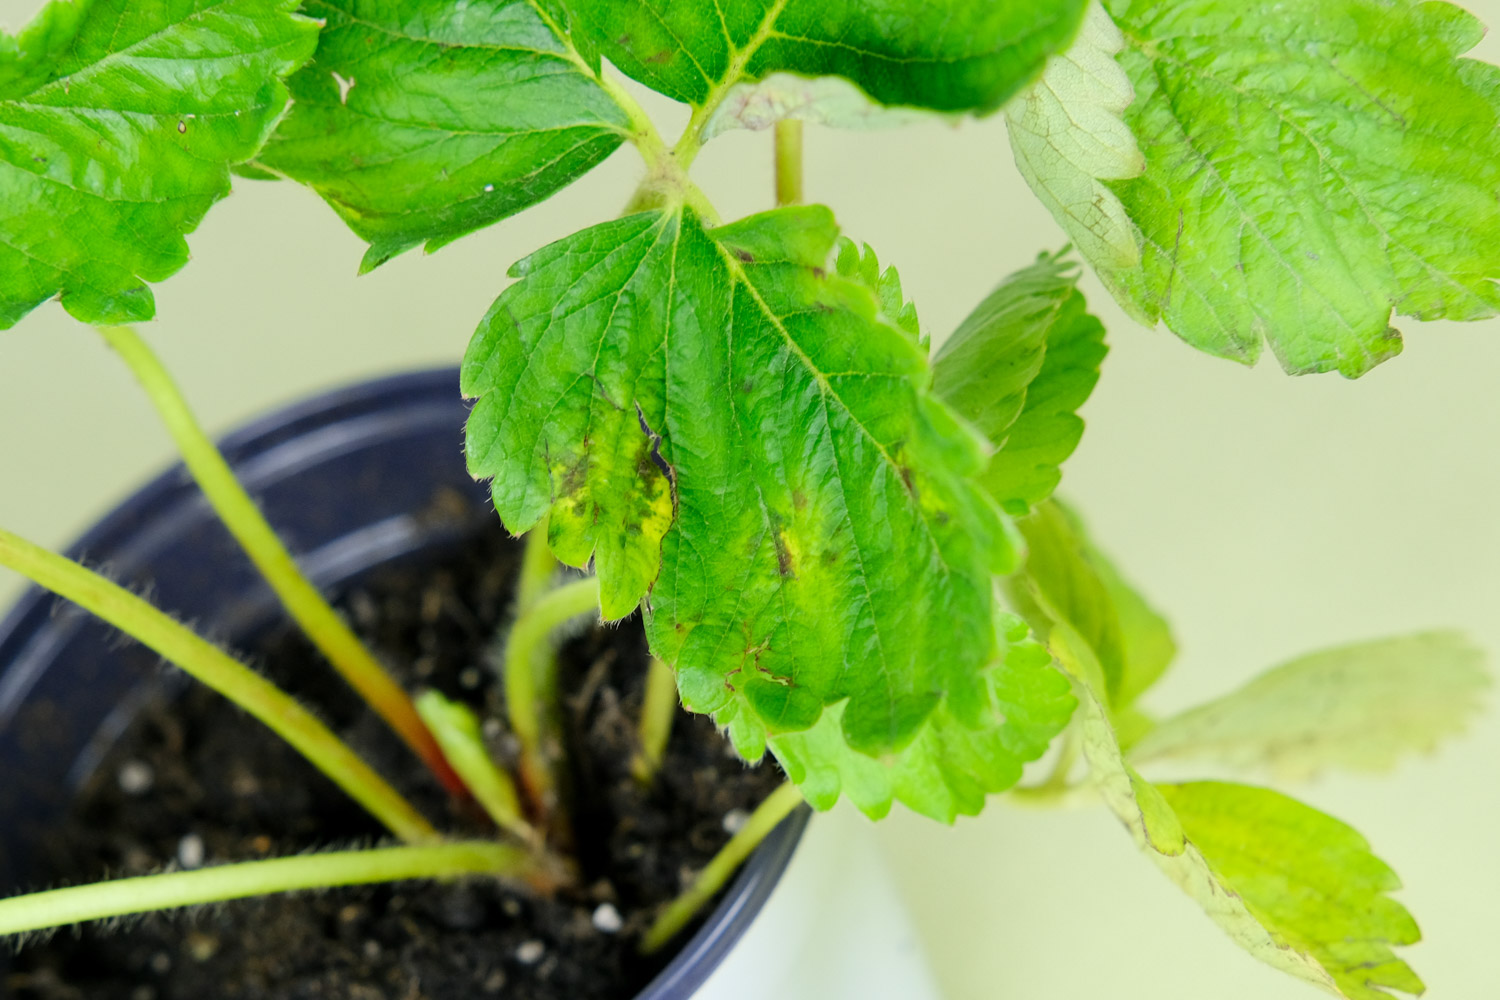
[1266, 515]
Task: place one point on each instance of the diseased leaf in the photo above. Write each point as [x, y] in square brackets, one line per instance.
[424, 120]
[1359, 707]
[950, 768]
[119, 122]
[1295, 888]
[828, 544]
[1308, 172]
[1308, 877]
[1069, 135]
[947, 55]
[1018, 368]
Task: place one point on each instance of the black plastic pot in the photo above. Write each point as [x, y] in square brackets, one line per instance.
[351, 480]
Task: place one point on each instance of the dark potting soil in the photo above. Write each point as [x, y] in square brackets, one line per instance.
[194, 781]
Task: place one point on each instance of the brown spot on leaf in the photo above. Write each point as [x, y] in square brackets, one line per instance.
[744, 256]
[660, 59]
[784, 562]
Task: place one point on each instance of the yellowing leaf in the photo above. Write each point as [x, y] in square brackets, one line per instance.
[737, 427]
[1360, 708]
[1295, 888]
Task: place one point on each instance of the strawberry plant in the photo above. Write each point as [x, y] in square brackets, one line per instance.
[837, 526]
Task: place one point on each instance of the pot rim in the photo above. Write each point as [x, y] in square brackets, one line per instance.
[30, 619]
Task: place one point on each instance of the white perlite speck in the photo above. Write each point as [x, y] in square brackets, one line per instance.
[190, 851]
[135, 777]
[607, 919]
[734, 821]
[530, 952]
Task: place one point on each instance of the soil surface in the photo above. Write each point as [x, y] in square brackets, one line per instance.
[194, 782]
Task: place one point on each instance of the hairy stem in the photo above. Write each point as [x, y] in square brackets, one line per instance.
[121, 897]
[718, 871]
[301, 599]
[1054, 790]
[220, 671]
[538, 566]
[657, 711]
[788, 162]
[457, 729]
[526, 653]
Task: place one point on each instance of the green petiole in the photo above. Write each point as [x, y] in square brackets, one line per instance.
[658, 709]
[220, 671]
[302, 600]
[457, 731]
[789, 162]
[767, 816]
[526, 664]
[147, 893]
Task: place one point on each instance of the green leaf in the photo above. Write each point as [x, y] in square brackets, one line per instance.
[1308, 174]
[1295, 888]
[948, 55]
[118, 124]
[1069, 135]
[726, 408]
[1060, 585]
[1067, 578]
[1308, 877]
[861, 264]
[424, 120]
[1359, 707]
[1018, 368]
[1147, 646]
[950, 768]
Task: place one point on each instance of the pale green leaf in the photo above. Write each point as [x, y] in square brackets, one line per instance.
[821, 100]
[945, 55]
[950, 768]
[1067, 578]
[1018, 368]
[1060, 585]
[459, 733]
[725, 423]
[1295, 888]
[119, 122]
[1309, 878]
[1359, 708]
[1069, 135]
[423, 120]
[1147, 646]
[1309, 171]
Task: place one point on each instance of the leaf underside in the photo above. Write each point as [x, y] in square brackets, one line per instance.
[118, 124]
[726, 421]
[1307, 175]
[1068, 133]
[424, 121]
[948, 55]
[1359, 708]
